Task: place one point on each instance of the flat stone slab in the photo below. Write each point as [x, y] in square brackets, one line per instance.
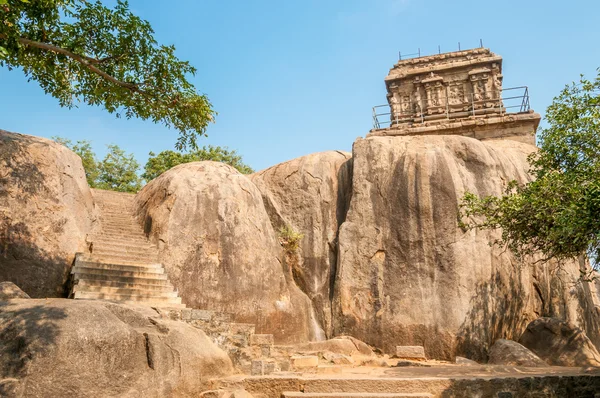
[262, 339]
[304, 361]
[410, 352]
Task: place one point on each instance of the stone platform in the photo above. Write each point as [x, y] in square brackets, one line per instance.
[443, 381]
[514, 126]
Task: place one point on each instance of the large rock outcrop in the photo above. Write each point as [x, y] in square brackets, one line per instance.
[560, 343]
[46, 210]
[60, 347]
[310, 194]
[409, 275]
[220, 250]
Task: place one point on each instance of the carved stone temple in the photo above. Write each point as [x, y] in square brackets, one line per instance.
[455, 93]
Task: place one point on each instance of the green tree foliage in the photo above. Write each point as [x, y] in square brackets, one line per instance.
[118, 171]
[88, 158]
[558, 214]
[158, 164]
[80, 50]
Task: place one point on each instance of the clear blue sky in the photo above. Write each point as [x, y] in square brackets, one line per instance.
[292, 77]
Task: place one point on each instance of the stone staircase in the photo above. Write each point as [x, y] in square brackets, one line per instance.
[121, 264]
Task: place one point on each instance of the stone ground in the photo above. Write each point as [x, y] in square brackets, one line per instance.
[436, 381]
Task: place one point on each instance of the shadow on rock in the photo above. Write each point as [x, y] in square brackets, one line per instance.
[25, 332]
[36, 271]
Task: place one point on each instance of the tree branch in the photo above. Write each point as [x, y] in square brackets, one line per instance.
[83, 60]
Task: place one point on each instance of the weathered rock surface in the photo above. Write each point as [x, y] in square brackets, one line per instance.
[310, 194]
[9, 290]
[508, 352]
[46, 210]
[59, 348]
[220, 250]
[560, 343]
[409, 275]
[339, 345]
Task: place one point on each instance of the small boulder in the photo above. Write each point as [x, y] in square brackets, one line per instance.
[410, 352]
[465, 361]
[338, 359]
[560, 343]
[507, 352]
[9, 290]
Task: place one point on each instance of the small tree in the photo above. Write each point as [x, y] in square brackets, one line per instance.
[88, 158]
[557, 214]
[118, 171]
[78, 50]
[158, 164]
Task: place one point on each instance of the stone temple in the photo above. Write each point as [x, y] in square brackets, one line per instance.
[455, 93]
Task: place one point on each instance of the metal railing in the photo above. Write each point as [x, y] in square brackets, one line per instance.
[508, 100]
[405, 56]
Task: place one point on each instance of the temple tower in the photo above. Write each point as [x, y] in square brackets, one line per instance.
[455, 93]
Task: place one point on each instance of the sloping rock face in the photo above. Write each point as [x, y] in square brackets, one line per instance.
[508, 352]
[59, 348]
[560, 343]
[409, 275]
[46, 210]
[9, 290]
[220, 250]
[311, 195]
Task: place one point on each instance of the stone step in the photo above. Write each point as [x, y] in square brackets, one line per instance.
[101, 278]
[120, 267]
[118, 239]
[90, 258]
[124, 291]
[125, 247]
[149, 255]
[354, 395]
[138, 244]
[123, 237]
[127, 297]
[121, 211]
[126, 224]
[123, 260]
[83, 271]
[95, 283]
[122, 228]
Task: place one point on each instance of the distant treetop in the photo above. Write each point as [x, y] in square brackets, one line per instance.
[158, 164]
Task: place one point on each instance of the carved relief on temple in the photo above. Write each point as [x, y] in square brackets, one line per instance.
[452, 85]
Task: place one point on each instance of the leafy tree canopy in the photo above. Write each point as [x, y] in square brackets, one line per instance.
[88, 158]
[80, 50]
[558, 214]
[158, 164]
[118, 171]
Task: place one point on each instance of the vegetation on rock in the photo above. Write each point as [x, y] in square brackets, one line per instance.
[158, 164]
[289, 238]
[82, 51]
[556, 214]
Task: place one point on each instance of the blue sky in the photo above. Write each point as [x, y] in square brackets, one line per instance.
[293, 77]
